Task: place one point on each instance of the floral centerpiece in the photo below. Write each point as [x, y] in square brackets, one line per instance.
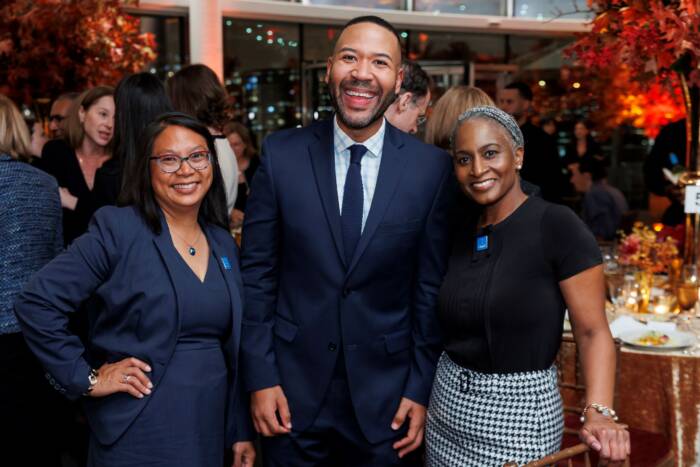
[644, 249]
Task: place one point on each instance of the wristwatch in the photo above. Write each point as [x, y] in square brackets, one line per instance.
[92, 379]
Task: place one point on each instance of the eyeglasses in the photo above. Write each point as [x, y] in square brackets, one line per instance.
[170, 163]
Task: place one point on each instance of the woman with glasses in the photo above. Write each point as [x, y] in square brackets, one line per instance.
[158, 374]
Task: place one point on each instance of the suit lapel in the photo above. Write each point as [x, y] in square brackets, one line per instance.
[168, 253]
[390, 171]
[227, 262]
[323, 163]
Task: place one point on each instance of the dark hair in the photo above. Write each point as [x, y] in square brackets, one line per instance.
[415, 80]
[138, 190]
[585, 122]
[522, 88]
[139, 99]
[197, 91]
[379, 22]
[593, 167]
[242, 131]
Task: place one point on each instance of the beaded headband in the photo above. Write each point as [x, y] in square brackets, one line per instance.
[495, 114]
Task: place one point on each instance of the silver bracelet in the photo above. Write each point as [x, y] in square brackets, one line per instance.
[92, 379]
[601, 409]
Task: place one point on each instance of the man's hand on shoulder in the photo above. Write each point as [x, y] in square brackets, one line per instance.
[414, 437]
[270, 411]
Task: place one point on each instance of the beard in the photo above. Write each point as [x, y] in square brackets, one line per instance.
[358, 123]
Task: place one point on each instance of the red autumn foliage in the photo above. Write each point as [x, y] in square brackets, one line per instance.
[633, 53]
[51, 46]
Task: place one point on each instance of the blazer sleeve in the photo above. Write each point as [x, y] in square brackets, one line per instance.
[259, 269]
[56, 291]
[431, 265]
[239, 422]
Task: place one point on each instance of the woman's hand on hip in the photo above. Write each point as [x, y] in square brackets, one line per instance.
[128, 375]
[243, 454]
[611, 440]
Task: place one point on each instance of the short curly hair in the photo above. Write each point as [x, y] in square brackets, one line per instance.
[415, 80]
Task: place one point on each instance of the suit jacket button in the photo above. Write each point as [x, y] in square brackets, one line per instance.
[332, 347]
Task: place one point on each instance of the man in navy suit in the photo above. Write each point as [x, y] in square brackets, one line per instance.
[344, 250]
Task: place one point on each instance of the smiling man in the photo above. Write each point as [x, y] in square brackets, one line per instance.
[344, 249]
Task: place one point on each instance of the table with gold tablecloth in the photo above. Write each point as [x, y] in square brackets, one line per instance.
[660, 392]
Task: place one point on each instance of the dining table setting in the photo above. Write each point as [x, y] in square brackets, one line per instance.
[653, 311]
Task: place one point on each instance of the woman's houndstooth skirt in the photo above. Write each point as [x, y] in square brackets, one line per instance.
[478, 419]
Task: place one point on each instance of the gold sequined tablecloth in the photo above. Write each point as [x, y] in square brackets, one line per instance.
[660, 393]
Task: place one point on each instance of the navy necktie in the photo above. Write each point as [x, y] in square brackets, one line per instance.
[351, 215]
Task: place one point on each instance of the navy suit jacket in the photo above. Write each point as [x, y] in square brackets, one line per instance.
[127, 268]
[303, 301]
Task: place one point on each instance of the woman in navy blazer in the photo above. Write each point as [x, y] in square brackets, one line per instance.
[159, 370]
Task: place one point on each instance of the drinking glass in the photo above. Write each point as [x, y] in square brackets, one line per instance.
[688, 287]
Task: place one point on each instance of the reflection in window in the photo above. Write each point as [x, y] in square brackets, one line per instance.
[170, 33]
[544, 9]
[261, 73]
[471, 7]
[380, 4]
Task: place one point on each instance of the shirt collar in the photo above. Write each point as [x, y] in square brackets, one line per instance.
[373, 144]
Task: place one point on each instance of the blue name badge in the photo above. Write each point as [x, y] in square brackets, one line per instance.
[673, 158]
[482, 243]
[225, 262]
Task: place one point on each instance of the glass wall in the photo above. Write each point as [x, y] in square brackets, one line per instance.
[276, 71]
[171, 39]
[378, 4]
[546, 9]
[262, 73]
[471, 7]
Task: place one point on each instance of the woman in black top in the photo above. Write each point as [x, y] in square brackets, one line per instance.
[74, 161]
[515, 267]
[138, 100]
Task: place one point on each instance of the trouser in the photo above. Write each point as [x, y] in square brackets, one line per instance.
[334, 440]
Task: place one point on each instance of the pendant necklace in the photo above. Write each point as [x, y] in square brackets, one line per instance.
[191, 250]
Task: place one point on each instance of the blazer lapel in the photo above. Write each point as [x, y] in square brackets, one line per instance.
[168, 253]
[323, 163]
[227, 262]
[390, 171]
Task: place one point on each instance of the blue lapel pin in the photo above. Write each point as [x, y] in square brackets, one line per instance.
[482, 243]
[225, 262]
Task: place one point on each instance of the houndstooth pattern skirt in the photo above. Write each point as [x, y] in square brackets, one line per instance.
[478, 419]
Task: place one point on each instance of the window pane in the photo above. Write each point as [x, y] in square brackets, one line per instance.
[261, 73]
[471, 7]
[542, 9]
[488, 48]
[380, 4]
[170, 35]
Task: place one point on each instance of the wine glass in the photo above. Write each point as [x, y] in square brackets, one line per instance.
[688, 287]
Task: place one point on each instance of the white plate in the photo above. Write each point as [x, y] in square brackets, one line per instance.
[677, 339]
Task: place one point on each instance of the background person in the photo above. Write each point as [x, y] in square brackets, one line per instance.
[138, 100]
[542, 166]
[444, 114]
[603, 205]
[158, 372]
[197, 91]
[516, 265]
[30, 228]
[75, 160]
[243, 147]
[407, 112]
[59, 112]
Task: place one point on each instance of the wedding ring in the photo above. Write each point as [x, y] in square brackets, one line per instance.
[125, 378]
